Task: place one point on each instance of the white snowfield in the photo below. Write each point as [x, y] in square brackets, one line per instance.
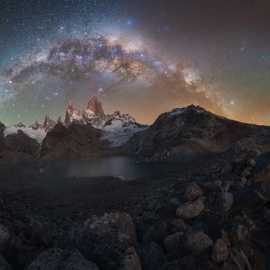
[37, 134]
[120, 131]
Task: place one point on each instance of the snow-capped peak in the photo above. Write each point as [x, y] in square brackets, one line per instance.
[95, 106]
[72, 114]
[117, 127]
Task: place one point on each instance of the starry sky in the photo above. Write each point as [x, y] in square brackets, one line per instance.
[143, 57]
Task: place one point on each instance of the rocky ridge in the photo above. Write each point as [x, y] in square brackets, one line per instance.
[192, 131]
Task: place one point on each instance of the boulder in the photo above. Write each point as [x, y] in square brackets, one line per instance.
[108, 236]
[122, 223]
[193, 192]
[220, 251]
[178, 225]
[190, 209]
[198, 242]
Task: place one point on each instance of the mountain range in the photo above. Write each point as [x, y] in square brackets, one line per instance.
[213, 213]
[181, 133]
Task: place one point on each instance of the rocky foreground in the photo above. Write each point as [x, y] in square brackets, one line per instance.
[216, 216]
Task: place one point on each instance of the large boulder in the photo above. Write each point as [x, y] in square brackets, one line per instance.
[198, 242]
[220, 251]
[106, 239]
[178, 225]
[193, 192]
[190, 210]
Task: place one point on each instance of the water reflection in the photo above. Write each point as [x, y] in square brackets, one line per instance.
[123, 167]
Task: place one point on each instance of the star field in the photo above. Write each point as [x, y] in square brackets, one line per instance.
[142, 57]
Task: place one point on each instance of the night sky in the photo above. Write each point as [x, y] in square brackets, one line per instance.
[141, 57]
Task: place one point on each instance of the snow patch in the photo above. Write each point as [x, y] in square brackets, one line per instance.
[36, 134]
[119, 136]
[120, 128]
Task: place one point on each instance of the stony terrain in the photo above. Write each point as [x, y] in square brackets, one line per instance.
[214, 214]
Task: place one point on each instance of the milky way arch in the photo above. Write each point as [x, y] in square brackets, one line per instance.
[106, 64]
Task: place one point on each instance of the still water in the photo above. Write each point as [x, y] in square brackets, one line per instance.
[124, 167]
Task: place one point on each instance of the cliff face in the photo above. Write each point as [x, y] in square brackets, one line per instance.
[73, 142]
[95, 106]
[93, 113]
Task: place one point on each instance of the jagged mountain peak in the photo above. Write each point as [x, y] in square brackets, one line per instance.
[95, 106]
[92, 111]
[72, 114]
[117, 127]
[94, 114]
